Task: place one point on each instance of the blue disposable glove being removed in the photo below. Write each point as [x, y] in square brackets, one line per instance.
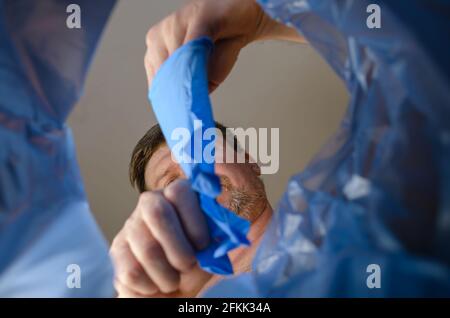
[180, 99]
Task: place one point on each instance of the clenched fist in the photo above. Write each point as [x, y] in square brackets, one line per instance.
[154, 253]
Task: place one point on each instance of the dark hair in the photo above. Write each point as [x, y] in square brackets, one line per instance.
[144, 150]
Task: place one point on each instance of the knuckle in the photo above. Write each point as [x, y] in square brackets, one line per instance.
[130, 275]
[145, 198]
[184, 264]
[118, 245]
[177, 189]
[167, 26]
[152, 251]
[177, 19]
[151, 35]
[129, 229]
[116, 285]
[148, 64]
[113, 252]
[156, 210]
[117, 242]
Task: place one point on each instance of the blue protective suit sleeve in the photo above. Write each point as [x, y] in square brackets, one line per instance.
[369, 216]
[45, 220]
[180, 99]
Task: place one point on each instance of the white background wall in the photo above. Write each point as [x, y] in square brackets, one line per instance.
[273, 84]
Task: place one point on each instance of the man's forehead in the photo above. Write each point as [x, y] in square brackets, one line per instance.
[159, 155]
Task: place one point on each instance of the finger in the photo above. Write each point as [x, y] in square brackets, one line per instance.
[183, 198]
[173, 30]
[125, 292]
[222, 60]
[128, 270]
[150, 255]
[155, 54]
[163, 222]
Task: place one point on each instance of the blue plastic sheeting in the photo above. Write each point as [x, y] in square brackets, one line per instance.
[379, 191]
[180, 99]
[45, 222]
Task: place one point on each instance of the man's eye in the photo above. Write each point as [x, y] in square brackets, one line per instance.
[170, 181]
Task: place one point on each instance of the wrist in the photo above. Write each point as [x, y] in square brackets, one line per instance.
[270, 29]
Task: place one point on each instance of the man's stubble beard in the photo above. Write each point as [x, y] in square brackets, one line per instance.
[248, 204]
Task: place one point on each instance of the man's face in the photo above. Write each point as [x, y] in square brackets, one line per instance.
[242, 189]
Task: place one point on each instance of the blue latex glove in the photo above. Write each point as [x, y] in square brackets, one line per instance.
[179, 96]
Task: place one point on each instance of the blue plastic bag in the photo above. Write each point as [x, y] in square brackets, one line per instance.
[377, 196]
[180, 99]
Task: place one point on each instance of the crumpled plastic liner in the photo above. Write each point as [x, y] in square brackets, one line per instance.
[379, 190]
[180, 99]
[45, 220]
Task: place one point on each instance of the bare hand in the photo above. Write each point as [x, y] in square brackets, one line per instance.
[154, 253]
[231, 24]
